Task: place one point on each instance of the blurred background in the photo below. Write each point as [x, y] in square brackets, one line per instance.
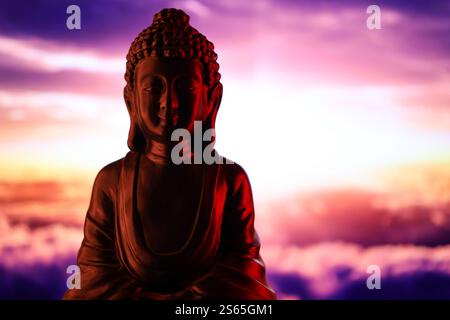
[343, 131]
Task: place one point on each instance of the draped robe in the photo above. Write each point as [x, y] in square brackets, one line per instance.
[220, 259]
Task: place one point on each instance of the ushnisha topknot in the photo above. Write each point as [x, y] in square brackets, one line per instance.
[171, 36]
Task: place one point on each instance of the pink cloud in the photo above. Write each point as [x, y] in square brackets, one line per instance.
[353, 215]
[335, 269]
[22, 247]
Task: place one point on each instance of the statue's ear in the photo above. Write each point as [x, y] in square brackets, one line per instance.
[214, 99]
[136, 139]
[128, 95]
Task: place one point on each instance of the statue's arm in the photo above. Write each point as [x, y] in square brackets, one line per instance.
[102, 277]
[240, 271]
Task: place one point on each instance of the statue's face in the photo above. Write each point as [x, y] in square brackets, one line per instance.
[169, 94]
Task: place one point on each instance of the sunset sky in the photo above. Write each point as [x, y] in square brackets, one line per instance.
[343, 131]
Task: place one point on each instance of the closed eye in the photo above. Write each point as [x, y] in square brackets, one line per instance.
[189, 85]
[153, 89]
[155, 85]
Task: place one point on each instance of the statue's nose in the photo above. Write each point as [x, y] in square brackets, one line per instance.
[169, 106]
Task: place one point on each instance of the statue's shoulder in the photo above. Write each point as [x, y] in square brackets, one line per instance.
[108, 178]
[234, 175]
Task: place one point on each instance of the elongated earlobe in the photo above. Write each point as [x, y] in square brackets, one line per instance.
[214, 100]
[136, 140]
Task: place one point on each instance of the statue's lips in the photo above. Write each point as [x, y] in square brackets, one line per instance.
[164, 121]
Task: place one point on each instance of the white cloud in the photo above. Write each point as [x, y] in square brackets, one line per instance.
[47, 56]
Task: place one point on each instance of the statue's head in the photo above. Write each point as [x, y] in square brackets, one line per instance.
[172, 80]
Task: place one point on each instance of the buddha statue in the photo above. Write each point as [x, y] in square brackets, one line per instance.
[159, 230]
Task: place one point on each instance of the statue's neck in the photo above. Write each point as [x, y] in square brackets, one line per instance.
[160, 152]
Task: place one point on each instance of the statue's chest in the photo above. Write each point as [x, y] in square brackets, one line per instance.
[168, 204]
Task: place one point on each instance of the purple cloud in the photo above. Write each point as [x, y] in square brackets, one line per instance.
[33, 260]
[339, 271]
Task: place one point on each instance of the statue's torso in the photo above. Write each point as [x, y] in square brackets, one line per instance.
[168, 222]
[168, 201]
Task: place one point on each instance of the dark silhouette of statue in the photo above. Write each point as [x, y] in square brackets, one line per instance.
[157, 230]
